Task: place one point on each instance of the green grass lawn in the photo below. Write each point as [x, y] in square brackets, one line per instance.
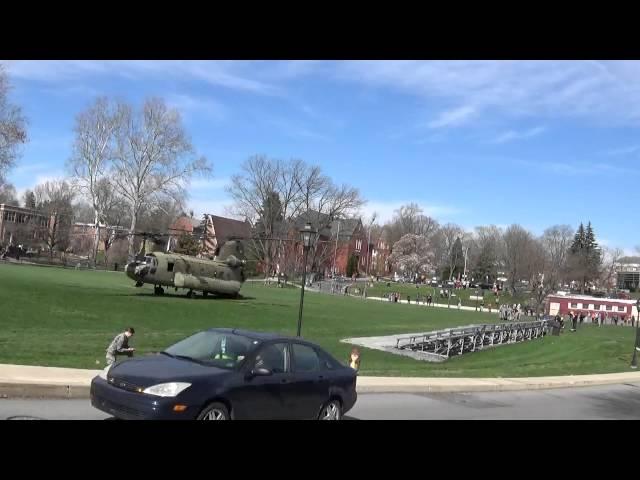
[66, 318]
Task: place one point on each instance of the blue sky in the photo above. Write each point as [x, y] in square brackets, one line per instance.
[473, 142]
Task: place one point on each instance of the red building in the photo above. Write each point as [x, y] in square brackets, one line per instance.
[213, 231]
[607, 307]
[338, 240]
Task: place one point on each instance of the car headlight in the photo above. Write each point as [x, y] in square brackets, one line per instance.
[103, 373]
[167, 389]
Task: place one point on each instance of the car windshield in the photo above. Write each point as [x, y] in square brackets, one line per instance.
[225, 350]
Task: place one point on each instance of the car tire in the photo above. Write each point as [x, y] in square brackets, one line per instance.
[332, 410]
[214, 411]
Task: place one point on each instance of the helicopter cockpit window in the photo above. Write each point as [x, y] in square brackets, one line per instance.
[152, 262]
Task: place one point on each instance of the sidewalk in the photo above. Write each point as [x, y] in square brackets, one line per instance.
[46, 382]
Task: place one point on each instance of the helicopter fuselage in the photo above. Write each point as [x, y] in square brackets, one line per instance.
[221, 277]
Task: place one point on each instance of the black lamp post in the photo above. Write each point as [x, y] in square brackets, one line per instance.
[477, 293]
[636, 346]
[308, 237]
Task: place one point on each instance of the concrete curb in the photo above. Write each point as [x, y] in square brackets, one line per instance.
[453, 385]
[36, 390]
[20, 381]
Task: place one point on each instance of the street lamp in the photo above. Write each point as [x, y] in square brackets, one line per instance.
[636, 346]
[477, 293]
[308, 237]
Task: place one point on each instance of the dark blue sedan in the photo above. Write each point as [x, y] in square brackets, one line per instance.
[223, 374]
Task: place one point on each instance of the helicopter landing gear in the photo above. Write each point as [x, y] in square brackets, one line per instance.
[190, 294]
[158, 291]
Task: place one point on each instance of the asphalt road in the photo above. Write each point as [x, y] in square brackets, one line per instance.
[606, 402]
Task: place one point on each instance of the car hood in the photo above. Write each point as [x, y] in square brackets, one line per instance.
[154, 369]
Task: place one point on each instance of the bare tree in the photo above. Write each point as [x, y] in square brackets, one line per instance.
[410, 219]
[445, 239]
[93, 150]
[517, 245]
[556, 241]
[611, 257]
[8, 193]
[487, 252]
[272, 194]
[154, 158]
[257, 193]
[54, 201]
[321, 203]
[12, 127]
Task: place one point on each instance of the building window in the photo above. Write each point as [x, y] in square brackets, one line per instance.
[622, 309]
[609, 308]
[574, 305]
[170, 267]
[591, 307]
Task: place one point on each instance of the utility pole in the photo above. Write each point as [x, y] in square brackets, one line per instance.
[373, 219]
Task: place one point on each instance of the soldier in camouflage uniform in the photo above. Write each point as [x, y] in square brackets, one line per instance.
[120, 346]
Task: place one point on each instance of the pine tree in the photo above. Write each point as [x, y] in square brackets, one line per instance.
[457, 259]
[585, 258]
[352, 266]
[188, 245]
[29, 200]
[578, 239]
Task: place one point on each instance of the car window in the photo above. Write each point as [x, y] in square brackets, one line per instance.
[273, 357]
[327, 362]
[305, 358]
[224, 350]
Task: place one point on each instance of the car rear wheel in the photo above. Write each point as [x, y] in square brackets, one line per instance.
[331, 411]
[214, 411]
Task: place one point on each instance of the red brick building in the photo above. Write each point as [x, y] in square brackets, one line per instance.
[212, 230]
[338, 240]
[608, 307]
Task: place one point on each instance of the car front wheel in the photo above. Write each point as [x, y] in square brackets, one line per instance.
[214, 411]
[331, 411]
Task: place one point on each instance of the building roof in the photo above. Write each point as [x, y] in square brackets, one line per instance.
[15, 208]
[625, 260]
[185, 224]
[226, 228]
[347, 226]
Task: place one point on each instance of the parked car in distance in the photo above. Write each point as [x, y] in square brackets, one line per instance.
[223, 374]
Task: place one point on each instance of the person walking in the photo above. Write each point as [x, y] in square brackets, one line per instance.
[120, 346]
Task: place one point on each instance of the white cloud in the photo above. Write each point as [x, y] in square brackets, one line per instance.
[623, 150]
[578, 169]
[515, 135]
[186, 103]
[455, 117]
[603, 92]
[229, 74]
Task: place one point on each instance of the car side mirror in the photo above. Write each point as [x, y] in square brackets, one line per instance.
[259, 372]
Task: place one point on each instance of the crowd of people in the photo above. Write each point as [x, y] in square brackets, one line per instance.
[602, 318]
[394, 297]
[514, 312]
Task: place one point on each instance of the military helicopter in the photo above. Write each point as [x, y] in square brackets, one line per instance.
[222, 276]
